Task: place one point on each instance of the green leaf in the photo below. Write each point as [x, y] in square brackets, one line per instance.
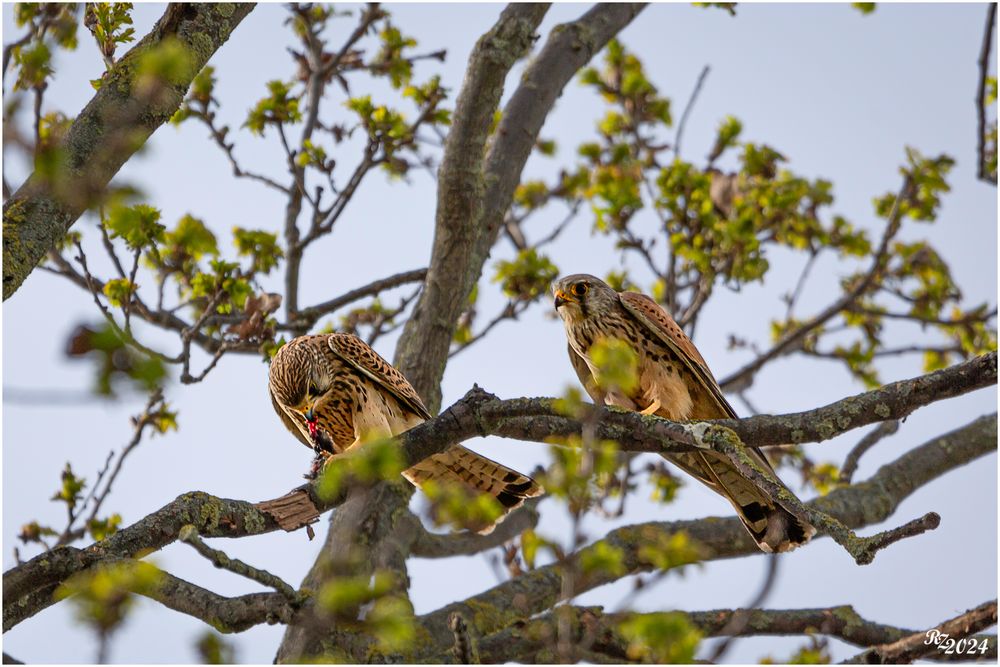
[665, 637]
[119, 291]
[69, 491]
[262, 247]
[139, 225]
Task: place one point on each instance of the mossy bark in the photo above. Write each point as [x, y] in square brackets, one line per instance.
[111, 128]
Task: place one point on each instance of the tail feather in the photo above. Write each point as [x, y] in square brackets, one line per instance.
[458, 464]
[772, 527]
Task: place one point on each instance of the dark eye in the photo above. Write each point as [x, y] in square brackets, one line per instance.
[579, 289]
[313, 390]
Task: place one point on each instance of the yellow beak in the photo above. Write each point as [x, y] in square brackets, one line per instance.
[562, 298]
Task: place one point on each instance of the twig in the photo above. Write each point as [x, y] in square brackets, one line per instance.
[219, 137]
[141, 422]
[687, 109]
[871, 438]
[308, 316]
[984, 67]
[741, 617]
[800, 283]
[510, 312]
[218, 558]
[743, 377]
[131, 286]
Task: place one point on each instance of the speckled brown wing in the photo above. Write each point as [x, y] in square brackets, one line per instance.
[361, 356]
[455, 464]
[773, 527]
[658, 321]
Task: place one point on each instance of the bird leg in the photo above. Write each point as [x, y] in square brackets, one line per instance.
[651, 410]
[318, 461]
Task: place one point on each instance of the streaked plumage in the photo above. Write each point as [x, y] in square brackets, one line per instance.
[353, 394]
[673, 382]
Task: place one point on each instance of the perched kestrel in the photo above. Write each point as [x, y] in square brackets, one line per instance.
[333, 391]
[673, 382]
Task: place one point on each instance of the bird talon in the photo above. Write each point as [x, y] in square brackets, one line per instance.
[651, 410]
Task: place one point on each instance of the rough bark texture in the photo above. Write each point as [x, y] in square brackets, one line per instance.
[427, 336]
[477, 185]
[28, 588]
[110, 129]
[866, 503]
[533, 640]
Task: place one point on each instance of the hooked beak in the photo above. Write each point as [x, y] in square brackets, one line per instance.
[310, 416]
[562, 298]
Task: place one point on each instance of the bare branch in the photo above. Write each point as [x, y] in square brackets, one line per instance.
[422, 351]
[28, 587]
[687, 109]
[433, 545]
[592, 623]
[871, 439]
[308, 316]
[984, 71]
[189, 534]
[920, 645]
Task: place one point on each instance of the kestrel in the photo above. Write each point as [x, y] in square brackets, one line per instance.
[673, 382]
[333, 391]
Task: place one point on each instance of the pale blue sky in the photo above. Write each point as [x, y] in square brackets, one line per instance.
[838, 93]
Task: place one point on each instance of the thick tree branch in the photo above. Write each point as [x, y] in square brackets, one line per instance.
[109, 130]
[423, 349]
[480, 413]
[919, 645]
[863, 504]
[434, 545]
[599, 630]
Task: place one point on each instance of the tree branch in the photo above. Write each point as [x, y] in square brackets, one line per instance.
[308, 316]
[922, 645]
[480, 413]
[984, 71]
[743, 378]
[42, 210]
[434, 545]
[422, 351]
[871, 439]
[189, 534]
[599, 629]
[866, 503]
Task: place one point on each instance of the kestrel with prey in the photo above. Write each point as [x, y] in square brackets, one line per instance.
[333, 392]
[674, 382]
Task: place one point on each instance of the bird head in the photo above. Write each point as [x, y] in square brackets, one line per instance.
[299, 381]
[580, 295]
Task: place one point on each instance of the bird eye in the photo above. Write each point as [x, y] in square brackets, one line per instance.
[579, 289]
[313, 389]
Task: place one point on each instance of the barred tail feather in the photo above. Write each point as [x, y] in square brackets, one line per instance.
[458, 464]
[772, 527]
